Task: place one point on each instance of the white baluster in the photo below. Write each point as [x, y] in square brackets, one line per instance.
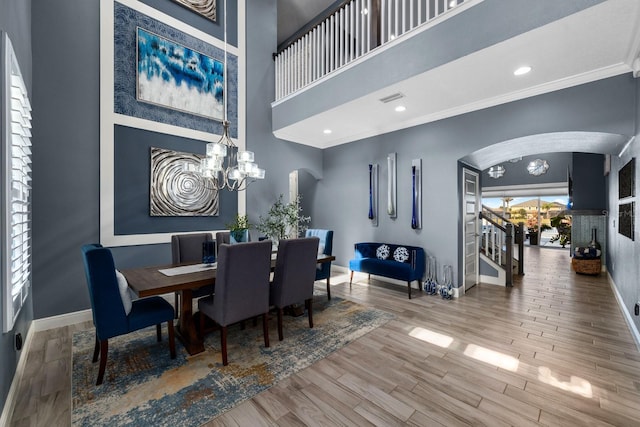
[368, 21]
[332, 42]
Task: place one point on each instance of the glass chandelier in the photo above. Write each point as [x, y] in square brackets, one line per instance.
[224, 165]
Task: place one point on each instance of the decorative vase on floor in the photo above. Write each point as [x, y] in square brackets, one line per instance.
[594, 239]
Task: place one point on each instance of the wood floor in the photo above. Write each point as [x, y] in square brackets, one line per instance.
[553, 350]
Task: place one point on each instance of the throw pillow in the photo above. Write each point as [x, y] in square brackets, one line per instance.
[382, 252]
[124, 292]
[401, 254]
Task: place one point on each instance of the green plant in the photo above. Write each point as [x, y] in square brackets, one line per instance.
[240, 222]
[562, 224]
[284, 220]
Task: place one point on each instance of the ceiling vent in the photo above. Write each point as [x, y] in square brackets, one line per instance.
[392, 97]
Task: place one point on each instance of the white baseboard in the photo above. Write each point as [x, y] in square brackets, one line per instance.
[625, 313]
[492, 280]
[10, 402]
[62, 320]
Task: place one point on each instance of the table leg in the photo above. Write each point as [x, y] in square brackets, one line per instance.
[186, 329]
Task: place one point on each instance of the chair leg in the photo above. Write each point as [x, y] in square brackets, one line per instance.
[159, 332]
[351, 279]
[96, 350]
[309, 304]
[175, 312]
[265, 328]
[104, 349]
[202, 325]
[409, 289]
[280, 323]
[223, 344]
[328, 289]
[172, 339]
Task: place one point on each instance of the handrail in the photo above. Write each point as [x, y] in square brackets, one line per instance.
[350, 29]
[499, 238]
[487, 218]
[494, 213]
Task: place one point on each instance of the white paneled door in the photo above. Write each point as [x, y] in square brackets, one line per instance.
[471, 212]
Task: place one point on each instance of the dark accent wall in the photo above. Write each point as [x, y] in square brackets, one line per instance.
[517, 173]
[589, 187]
[66, 158]
[15, 20]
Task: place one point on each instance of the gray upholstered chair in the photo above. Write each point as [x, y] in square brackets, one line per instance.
[326, 244]
[188, 248]
[222, 237]
[294, 276]
[242, 288]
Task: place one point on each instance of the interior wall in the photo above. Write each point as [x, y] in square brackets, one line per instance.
[15, 20]
[516, 173]
[602, 106]
[277, 157]
[624, 253]
[66, 158]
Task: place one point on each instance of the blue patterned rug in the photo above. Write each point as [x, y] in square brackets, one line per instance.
[144, 387]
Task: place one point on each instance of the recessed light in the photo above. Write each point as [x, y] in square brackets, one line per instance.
[327, 131]
[400, 108]
[522, 70]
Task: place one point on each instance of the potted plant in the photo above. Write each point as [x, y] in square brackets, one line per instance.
[284, 220]
[239, 228]
[534, 230]
[562, 224]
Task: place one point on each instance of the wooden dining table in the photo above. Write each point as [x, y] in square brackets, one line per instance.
[150, 281]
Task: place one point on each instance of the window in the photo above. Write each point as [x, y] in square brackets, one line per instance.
[16, 187]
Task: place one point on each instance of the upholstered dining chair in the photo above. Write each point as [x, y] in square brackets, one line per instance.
[188, 248]
[222, 237]
[325, 247]
[242, 289]
[294, 275]
[110, 316]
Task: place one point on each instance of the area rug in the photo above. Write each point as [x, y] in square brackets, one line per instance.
[144, 387]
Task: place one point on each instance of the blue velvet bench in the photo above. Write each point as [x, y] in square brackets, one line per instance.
[400, 262]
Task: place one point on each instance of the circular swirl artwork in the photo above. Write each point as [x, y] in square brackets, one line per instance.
[176, 192]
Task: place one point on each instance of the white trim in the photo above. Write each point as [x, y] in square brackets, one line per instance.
[625, 313]
[62, 320]
[10, 401]
[108, 118]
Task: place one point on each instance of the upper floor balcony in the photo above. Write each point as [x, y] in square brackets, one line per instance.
[441, 58]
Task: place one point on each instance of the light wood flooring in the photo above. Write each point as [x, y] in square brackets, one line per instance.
[553, 350]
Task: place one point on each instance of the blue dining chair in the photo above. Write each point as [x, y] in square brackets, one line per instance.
[326, 247]
[109, 316]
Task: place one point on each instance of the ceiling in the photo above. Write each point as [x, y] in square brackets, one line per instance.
[598, 42]
[295, 14]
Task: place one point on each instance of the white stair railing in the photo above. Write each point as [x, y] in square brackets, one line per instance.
[357, 27]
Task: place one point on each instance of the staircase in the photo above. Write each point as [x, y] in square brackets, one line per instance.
[501, 247]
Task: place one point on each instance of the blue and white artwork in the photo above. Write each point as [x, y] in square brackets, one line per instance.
[174, 76]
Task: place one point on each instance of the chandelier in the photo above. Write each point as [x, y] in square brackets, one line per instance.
[224, 165]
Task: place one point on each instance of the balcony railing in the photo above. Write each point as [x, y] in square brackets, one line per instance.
[348, 33]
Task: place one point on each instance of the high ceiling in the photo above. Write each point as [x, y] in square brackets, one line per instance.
[599, 42]
[294, 14]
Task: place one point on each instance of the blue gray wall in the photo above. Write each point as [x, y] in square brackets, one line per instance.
[589, 187]
[15, 20]
[622, 261]
[602, 106]
[277, 157]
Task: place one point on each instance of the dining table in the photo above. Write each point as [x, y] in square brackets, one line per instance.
[182, 278]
